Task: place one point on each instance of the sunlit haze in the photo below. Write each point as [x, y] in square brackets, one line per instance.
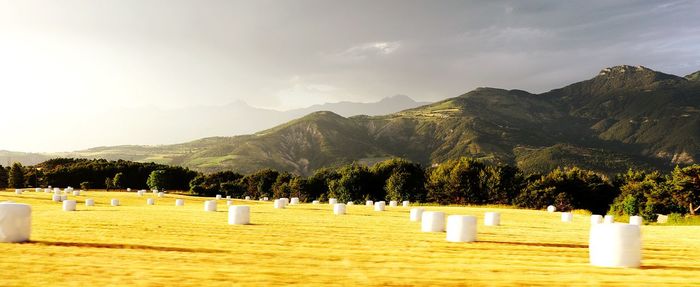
[80, 74]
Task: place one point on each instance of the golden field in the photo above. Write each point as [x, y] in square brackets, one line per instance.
[163, 245]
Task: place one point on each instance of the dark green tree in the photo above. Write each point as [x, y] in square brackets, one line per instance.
[157, 179]
[4, 177]
[118, 180]
[16, 178]
[685, 187]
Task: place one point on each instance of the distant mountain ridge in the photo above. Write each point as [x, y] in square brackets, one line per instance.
[626, 116]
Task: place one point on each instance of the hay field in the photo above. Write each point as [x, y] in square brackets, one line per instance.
[164, 245]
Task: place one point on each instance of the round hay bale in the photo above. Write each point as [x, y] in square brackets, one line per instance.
[461, 228]
[416, 213]
[239, 214]
[567, 217]
[339, 209]
[379, 206]
[636, 220]
[615, 245]
[433, 221]
[210, 205]
[15, 222]
[69, 205]
[492, 218]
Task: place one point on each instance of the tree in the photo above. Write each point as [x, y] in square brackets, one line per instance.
[686, 187]
[584, 189]
[354, 183]
[157, 179]
[3, 177]
[16, 179]
[457, 181]
[118, 180]
[108, 183]
[259, 184]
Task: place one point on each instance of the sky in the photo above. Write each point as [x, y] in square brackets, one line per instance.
[69, 70]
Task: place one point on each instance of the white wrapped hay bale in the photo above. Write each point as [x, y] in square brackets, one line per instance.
[56, 197]
[37, 189]
[294, 200]
[47, 190]
[56, 190]
[350, 203]
[393, 203]
[608, 219]
[636, 220]
[140, 192]
[567, 217]
[315, 202]
[69, 205]
[461, 228]
[660, 218]
[416, 213]
[179, 202]
[161, 194]
[155, 191]
[492, 218]
[265, 198]
[338, 209]
[369, 203]
[64, 197]
[76, 193]
[18, 191]
[239, 214]
[114, 202]
[247, 198]
[150, 201]
[278, 203]
[218, 196]
[228, 197]
[379, 206]
[15, 222]
[596, 219]
[332, 201]
[128, 189]
[551, 208]
[405, 203]
[89, 202]
[615, 245]
[433, 221]
[286, 200]
[210, 205]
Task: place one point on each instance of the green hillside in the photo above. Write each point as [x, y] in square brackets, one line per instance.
[624, 117]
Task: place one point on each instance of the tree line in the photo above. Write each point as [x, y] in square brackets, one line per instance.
[459, 181]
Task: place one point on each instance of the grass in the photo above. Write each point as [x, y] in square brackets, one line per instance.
[164, 245]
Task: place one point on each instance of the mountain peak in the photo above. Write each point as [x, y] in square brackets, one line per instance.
[626, 76]
[694, 76]
[626, 70]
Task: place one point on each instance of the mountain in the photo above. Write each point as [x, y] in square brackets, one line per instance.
[626, 116]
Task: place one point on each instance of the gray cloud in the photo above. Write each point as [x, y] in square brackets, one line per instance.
[290, 54]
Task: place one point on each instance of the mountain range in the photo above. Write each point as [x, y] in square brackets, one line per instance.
[626, 116]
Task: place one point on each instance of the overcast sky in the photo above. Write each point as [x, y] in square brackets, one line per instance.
[66, 63]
